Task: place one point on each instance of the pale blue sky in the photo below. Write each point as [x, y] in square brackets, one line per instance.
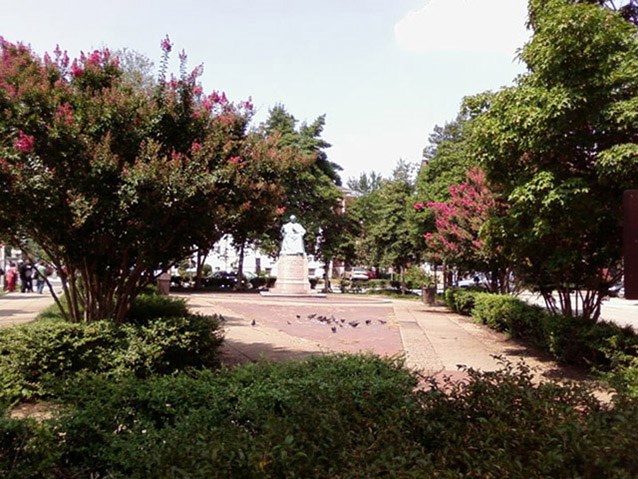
[384, 72]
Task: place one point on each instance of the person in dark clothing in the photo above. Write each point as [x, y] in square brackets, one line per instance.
[25, 270]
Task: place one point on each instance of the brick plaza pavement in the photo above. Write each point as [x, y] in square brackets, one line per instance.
[429, 338]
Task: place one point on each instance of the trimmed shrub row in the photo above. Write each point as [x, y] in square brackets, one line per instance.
[163, 338]
[338, 416]
[600, 346]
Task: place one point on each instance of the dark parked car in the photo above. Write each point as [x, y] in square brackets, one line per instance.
[220, 280]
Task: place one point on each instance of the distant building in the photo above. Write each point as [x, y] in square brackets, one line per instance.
[224, 257]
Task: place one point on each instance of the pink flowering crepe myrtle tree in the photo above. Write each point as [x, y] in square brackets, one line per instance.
[462, 225]
[112, 180]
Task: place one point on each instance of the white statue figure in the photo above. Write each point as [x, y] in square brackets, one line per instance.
[293, 233]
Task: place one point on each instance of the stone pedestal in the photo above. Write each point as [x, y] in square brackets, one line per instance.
[292, 276]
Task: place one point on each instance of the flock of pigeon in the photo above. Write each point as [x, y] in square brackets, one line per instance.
[333, 322]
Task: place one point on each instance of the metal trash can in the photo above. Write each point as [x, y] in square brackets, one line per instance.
[428, 295]
[164, 284]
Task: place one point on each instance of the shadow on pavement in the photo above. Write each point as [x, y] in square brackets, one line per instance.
[234, 352]
[550, 369]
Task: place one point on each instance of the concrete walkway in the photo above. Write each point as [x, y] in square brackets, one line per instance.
[17, 308]
[430, 339]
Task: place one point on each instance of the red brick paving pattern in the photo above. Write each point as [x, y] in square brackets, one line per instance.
[361, 324]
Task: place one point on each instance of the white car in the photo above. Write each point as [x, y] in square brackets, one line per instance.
[359, 274]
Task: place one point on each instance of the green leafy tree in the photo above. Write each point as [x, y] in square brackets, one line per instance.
[256, 201]
[446, 160]
[389, 232]
[560, 146]
[112, 179]
[311, 183]
[366, 183]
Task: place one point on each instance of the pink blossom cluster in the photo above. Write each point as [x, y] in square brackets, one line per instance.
[247, 104]
[195, 147]
[166, 45]
[14, 59]
[211, 101]
[61, 60]
[459, 220]
[76, 69]
[97, 58]
[64, 113]
[176, 156]
[24, 142]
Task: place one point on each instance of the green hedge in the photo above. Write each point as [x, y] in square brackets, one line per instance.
[340, 417]
[149, 306]
[461, 300]
[36, 354]
[601, 346]
[510, 314]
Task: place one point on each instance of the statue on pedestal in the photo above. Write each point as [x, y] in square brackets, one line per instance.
[292, 265]
[292, 243]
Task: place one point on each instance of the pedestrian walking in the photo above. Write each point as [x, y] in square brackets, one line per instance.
[40, 276]
[25, 270]
[11, 277]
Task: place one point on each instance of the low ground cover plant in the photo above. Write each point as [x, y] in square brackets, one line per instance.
[331, 416]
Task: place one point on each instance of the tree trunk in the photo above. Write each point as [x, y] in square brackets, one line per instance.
[402, 279]
[240, 267]
[202, 254]
[326, 276]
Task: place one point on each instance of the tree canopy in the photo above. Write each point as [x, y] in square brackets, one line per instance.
[561, 145]
[311, 183]
[112, 179]
[388, 234]
[460, 223]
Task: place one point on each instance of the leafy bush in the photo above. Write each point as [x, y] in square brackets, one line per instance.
[511, 315]
[416, 278]
[461, 300]
[623, 375]
[602, 346]
[350, 286]
[343, 416]
[27, 449]
[147, 307]
[499, 424]
[33, 355]
[377, 284]
[316, 418]
[586, 342]
[261, 282]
